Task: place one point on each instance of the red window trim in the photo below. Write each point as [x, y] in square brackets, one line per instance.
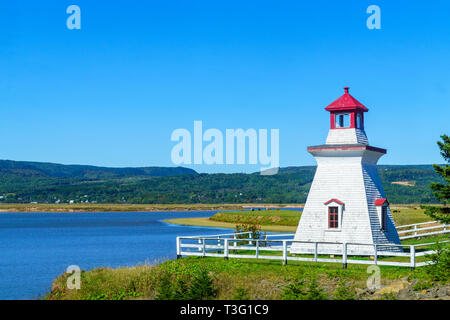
[333, 217]
[334, 200]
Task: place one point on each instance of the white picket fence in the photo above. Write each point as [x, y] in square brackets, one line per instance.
[277, 247]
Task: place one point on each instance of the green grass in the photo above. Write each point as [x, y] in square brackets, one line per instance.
[262, 279]
[427, 239]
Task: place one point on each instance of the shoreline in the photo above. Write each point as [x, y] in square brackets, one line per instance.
[115, 207]
[112, 207]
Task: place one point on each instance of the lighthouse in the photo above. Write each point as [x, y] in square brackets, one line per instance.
[346, 202]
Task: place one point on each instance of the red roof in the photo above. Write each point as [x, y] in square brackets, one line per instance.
[346, 103]
[334, 200]
[380, 202]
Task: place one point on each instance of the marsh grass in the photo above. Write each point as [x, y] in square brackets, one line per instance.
[263, 217]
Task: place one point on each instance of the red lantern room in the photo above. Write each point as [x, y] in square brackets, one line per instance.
[346, 112]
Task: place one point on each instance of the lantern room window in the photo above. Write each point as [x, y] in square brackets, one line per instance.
[342, 120]
[358, 121]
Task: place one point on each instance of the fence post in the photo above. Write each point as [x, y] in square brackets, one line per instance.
[412, 253]
[316, 245]
[178, 247]
[250, 237]
[257, 248]
[415, 230]
[204, 248]
[344, 255]
[284, 252]
[375, 255]
[199, 242]
[234, 242]
[225, 249]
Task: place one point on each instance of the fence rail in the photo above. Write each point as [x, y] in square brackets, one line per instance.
[422, 229]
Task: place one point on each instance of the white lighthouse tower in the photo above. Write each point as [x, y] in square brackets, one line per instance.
[346, 202]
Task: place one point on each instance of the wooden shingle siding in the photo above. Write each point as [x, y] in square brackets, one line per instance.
[347, 136]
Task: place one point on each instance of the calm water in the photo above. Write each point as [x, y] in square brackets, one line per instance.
[37, 247]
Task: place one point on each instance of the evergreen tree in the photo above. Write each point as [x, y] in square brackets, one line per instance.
[202, 286]
[164, 287]
[440, 190]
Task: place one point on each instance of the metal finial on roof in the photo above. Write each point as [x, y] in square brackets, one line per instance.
[345, 103]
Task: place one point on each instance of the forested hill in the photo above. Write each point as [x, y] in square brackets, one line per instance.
[44, 169]
[26, 182]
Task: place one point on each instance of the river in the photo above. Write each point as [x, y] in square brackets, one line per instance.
[37, 247]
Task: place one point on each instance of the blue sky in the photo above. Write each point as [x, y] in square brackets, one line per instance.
[111, 93]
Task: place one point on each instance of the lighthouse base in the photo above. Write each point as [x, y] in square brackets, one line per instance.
[342, 204]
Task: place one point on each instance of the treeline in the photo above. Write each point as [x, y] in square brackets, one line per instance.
[48, 184]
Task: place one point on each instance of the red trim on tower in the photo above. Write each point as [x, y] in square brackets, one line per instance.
[332, 120]
[352, 120]
[380, 202]
[334, 200]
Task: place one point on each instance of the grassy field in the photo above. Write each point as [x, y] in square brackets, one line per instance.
[232, 279]
[111, 207]
[408, 214]
[287, 220]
